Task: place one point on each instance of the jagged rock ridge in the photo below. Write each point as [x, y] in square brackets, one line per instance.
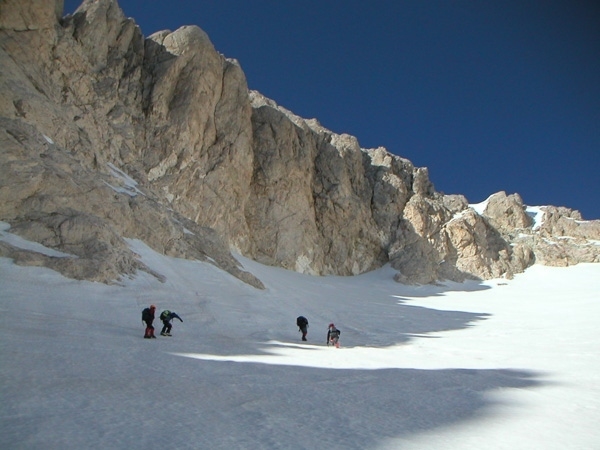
[90, 108]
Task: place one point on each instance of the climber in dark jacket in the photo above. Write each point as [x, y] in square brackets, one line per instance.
[166, 317]
[148, 318]
[302, 323]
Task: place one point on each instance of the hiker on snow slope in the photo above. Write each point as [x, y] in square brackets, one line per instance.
[333, 336]
[148, 318]
[166, 317]
[302, 323]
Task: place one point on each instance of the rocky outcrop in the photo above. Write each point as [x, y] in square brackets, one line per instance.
[74, 110]
[197, 114]
[557, 237]
[309, 208]
[21, 16]
[507, 212]
[107, 136]
[563, 238]
[49, 198]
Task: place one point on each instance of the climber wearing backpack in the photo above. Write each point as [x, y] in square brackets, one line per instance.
[302, 323]
[333, 336]
[166, 316]
[148, 318]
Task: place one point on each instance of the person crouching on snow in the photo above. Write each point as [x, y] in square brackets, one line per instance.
[333, 336]
[166, 317]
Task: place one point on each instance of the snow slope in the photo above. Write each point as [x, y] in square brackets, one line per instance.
[494, 365]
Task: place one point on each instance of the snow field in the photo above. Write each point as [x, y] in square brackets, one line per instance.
[496, 365]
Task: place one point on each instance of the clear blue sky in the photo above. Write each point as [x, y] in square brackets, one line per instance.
[488, 95]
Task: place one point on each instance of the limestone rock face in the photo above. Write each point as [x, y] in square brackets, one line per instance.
[309, 209]
[107, 136]
[17, 15]
[561, 238]
[197, 111]
[480, 249]
[76, 110]
[564, 239]
[507, 212]
[565, 222]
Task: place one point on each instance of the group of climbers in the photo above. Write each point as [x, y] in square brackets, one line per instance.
[166, 316]
[333, 334]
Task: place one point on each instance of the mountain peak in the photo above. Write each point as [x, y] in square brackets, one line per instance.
[88, 100]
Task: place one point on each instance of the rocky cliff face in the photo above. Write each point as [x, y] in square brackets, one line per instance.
[106, 135]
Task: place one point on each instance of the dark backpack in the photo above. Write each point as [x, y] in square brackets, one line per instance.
[165, 315]
[301, 321]
[146, 314]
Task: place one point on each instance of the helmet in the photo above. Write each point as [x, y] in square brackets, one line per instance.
[331, 325]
